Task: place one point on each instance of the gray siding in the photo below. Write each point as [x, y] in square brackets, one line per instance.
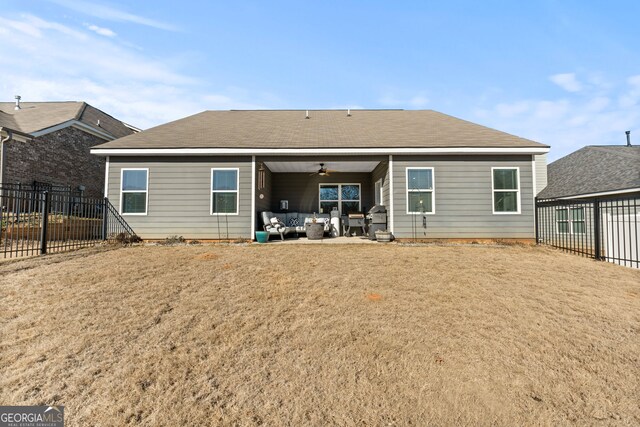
[180, 197]
[264, 203]
[541, 172]
[463, 198]
[302, 190]
[381, 172]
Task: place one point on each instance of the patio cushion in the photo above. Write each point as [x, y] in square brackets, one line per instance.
[293, 221]
[288, 217]
[274, 220]
[265, 217]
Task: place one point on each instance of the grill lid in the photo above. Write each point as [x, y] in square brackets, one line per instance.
[378, 209]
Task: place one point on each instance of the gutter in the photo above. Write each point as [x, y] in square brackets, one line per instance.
[2, 151]
[597, 194]
[315, 151]
[77, 124]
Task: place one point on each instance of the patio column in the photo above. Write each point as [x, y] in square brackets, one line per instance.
[253, 198]
[391, 193]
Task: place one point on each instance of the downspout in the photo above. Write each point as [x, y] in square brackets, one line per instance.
[2, 151]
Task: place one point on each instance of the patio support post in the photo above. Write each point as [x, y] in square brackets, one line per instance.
[253, 198]
[535, 220]
[390, 172]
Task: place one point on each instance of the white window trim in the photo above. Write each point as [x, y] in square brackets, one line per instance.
[493, 191]
[381, 193]
[146, 203]
[432, 191]
[390, 211]
[570, 221]
[237, 191]
[340, 184]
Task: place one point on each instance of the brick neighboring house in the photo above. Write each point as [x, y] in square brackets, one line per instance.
[49, 142]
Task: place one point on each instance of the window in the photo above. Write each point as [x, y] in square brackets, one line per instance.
[570, 221]
[378, 192]
[345, 197]
[134, 184]
[420, 190]
[224, 191]
[506, 190]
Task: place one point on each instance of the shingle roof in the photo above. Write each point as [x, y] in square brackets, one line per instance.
[324, 129]
[36, 116]
[593, 169]
[6, 121]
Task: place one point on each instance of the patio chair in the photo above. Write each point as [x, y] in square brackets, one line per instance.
[273, 226]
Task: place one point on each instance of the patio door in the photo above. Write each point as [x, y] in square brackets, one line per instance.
[345, 197]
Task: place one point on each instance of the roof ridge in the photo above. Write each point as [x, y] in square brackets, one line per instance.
[80, 112]
[605, 149]
[311, 109]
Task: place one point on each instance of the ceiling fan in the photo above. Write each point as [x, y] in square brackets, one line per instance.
[322, 171]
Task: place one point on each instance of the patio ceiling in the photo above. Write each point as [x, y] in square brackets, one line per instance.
[313, 166]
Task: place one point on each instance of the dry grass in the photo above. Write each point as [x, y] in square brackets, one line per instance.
[317, 335]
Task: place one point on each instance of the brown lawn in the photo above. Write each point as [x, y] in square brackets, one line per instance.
[322, 335]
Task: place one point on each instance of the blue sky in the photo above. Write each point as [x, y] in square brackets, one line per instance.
[565, 73]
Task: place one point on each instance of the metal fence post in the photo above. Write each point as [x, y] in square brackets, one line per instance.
[596, 229]
[535, 219]
[105, 216]
[45, 223]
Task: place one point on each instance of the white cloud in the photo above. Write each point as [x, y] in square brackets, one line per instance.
[551, 109]
[111, 14]
[631, 97]
[567, 124]
[100, 30]
[32, 26]
[598, 103]
[118, 79]
[567, 82]
[416, 101]
[511, 110]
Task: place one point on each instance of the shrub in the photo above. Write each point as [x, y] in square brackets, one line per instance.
[173, 240]
[127, 239]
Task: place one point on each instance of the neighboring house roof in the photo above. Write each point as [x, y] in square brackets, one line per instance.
[37, 117]
[593, 169]
[280, 129]
[6, 121]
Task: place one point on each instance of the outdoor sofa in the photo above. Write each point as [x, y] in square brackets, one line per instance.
[283, 223]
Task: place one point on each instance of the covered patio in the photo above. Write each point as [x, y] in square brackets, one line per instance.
[294, 188]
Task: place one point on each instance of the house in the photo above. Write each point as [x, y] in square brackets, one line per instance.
[437, 175]
[48, 143]
[591, 204]
[594, 171]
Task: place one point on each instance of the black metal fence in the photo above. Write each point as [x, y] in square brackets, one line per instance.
[603, 228]
[37, 222]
